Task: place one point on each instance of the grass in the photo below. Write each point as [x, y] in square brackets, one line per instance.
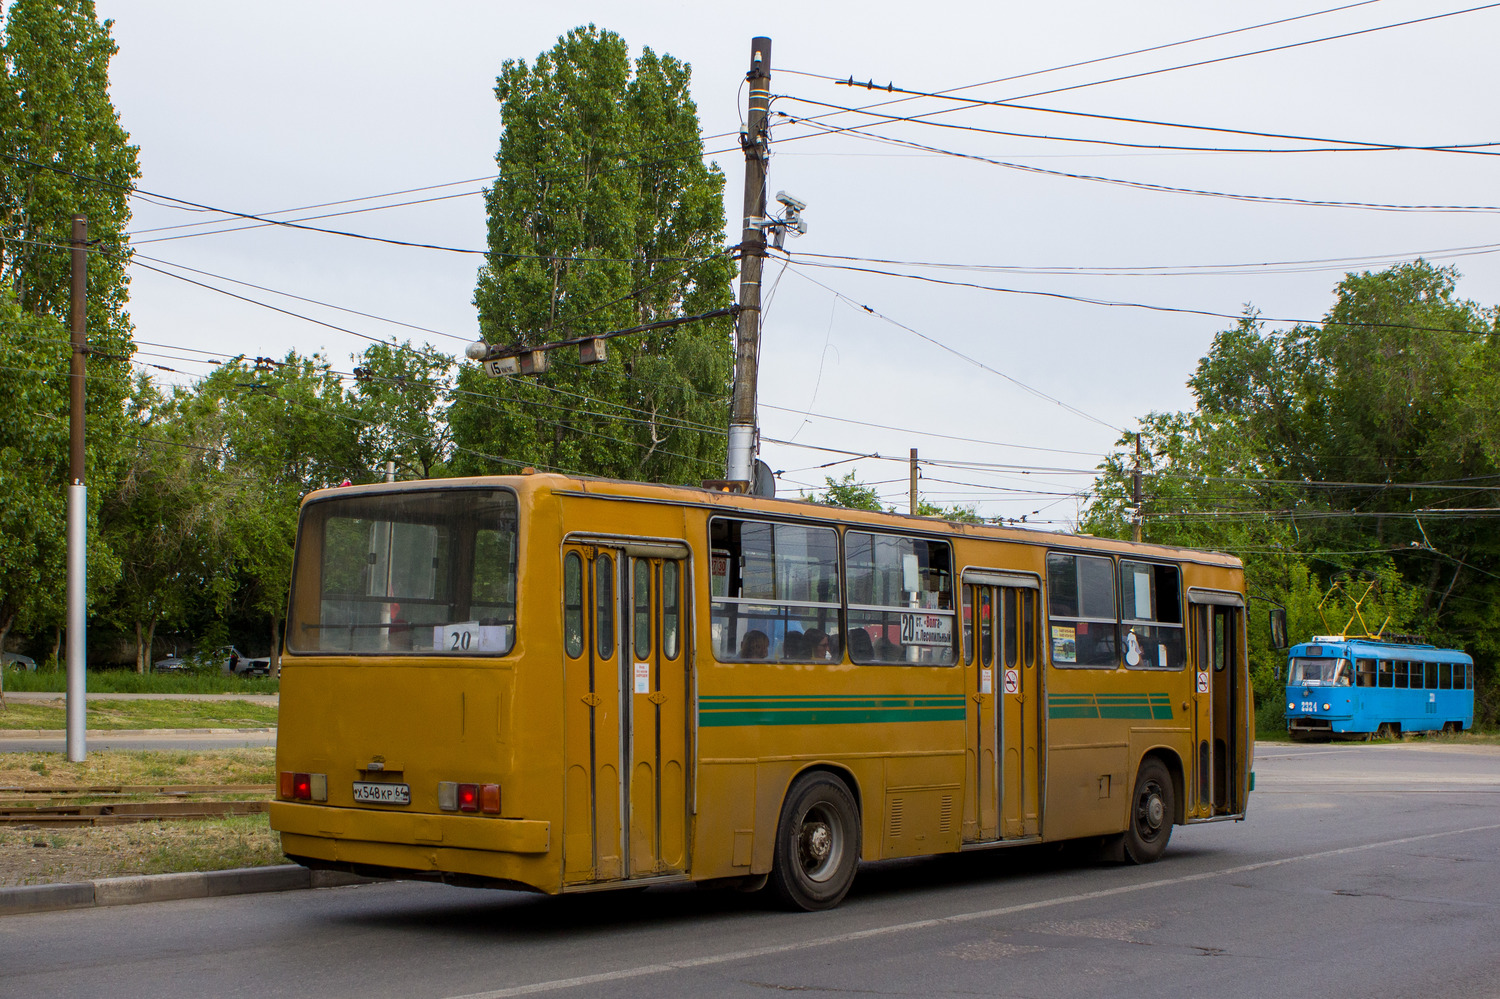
[72, 854]
[126, 681]
[107, 715]
[249, 765]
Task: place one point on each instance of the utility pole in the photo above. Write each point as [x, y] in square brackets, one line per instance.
[1135, 490]
[913, 499]
[755, 140]
[78, 506]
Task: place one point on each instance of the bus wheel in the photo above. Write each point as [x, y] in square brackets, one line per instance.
[1151, 814]
[817, 844]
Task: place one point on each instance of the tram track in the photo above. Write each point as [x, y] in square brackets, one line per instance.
[111, 804]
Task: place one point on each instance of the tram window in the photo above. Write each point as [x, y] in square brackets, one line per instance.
[573, 605]
[776, 591]
[1468, 676]
[671, 621]
[1084, 622]
[1384, 673]
[1431, 669]
[1445, 676]
[901, 597]
[604, 605]
[1364, 672]
[1151, 616]
[641, 587]
[1399, 668]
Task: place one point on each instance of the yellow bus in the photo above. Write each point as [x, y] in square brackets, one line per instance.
[567, 684]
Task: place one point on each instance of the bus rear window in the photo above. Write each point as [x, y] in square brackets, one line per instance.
[411, 573]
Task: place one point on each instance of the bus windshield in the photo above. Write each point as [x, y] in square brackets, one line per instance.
[1326, 672]
[420, 573]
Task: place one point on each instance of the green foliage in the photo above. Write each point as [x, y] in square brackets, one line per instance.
[604, 217]
[399, 394]
[848, 493]
[1330, 452]
[56, 120]
[121, 681]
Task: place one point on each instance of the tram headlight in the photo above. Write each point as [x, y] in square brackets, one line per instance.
[1291, 705]
[1327, 707]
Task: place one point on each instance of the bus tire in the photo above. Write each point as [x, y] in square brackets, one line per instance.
[817, 844]
[1152, 810]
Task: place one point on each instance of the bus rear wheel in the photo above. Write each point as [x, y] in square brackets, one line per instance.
[1152, 810]
[817, 844]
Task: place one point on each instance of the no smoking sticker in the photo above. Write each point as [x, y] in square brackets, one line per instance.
[1202, 683]
[1012, 681]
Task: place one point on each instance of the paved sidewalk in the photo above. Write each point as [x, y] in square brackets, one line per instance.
[168, 887]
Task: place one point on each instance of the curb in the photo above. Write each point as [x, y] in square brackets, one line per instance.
[169, 887]
[105, 733]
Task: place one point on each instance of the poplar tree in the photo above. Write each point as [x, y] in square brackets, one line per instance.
[604, 217]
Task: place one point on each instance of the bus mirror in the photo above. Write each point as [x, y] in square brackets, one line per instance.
[1278, 628]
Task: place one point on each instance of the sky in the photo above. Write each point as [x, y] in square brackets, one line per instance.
[1014, 392]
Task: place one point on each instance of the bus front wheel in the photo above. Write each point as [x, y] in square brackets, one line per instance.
[817, 844]
[1151, 813]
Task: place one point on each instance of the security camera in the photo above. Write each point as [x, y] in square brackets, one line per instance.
[792, 204]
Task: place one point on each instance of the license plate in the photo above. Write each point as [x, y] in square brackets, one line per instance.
[381, 793]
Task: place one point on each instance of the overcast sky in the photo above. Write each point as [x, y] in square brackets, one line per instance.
[1014, 398]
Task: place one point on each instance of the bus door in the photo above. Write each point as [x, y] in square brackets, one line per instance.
[1000, 656]
[625, 711]
[1218, 646]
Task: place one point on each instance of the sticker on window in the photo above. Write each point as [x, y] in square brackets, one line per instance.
[1064, 644]
[926, 629]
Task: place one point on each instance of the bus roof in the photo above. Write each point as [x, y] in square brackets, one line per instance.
[624, 490]
[1374, 648]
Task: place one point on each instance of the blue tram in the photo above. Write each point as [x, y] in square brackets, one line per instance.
[1362, 686]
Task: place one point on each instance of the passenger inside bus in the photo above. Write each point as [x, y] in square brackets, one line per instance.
[755, 645]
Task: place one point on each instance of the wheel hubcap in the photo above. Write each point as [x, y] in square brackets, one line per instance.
[1152, 811]
[820, 845]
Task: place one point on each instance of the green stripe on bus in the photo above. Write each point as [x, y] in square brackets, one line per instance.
[1157, 707]
[826, 716]
[828, 709]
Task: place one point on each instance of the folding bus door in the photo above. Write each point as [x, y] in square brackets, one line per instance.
[625, 711]
[1004, 720]
[1218, 637]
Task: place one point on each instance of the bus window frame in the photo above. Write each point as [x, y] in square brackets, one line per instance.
[747, 606]
[954, 577]
[1075, 620]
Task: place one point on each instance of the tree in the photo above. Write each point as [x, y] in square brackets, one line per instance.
[604, 217]
[399, 391]
[63, 152]
[1334, 450]
[849, 493]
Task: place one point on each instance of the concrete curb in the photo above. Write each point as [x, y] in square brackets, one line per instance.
[105, 733]
[168, 887]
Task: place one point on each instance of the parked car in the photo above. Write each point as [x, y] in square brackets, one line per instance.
[17, 661]
[228, 658]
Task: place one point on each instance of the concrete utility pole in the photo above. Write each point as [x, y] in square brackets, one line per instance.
[78, 506]
[756, 140]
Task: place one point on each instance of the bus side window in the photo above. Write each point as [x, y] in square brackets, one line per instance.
[1028, 627]
[604, 605]
[573, 605]
[670, 625]
[968, 615]
[641, 585]
[1365, 672]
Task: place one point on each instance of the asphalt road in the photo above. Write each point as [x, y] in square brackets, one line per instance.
[1362, 870]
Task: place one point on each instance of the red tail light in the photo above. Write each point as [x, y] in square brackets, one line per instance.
[468, 797]
[302, 787]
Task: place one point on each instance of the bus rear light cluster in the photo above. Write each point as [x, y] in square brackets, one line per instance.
[454, 797]
[303, 787]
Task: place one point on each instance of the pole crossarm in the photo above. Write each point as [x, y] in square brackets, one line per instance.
[497, 352]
